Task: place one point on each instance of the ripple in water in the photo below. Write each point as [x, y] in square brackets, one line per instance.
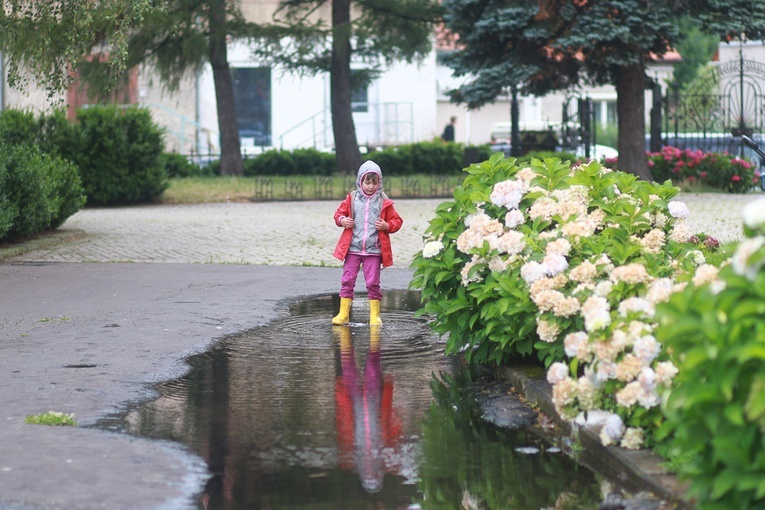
[304, 414]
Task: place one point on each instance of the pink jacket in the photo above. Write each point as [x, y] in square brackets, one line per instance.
[389, 214]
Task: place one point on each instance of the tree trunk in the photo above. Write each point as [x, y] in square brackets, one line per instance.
[230, 151]
[630, 109]
[346, 146]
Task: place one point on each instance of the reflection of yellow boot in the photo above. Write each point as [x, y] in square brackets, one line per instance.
[374, 339]
[346, 343]
[345, 312]
[374, 312]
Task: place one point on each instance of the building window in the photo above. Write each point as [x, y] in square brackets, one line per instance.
[252, 98]
[359, 96]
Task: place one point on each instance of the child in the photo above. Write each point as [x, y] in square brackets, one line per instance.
[368, 218]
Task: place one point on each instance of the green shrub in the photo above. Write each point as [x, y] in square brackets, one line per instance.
[715, 330]
[566, 267]
[118, 154]
[28, 189]
[178, 165]
[8, 209]
[272, 162]
[290, 163]
[68, 192]
[18, 127]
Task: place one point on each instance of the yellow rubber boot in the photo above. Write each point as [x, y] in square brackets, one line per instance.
[374, 312]
[345, 312]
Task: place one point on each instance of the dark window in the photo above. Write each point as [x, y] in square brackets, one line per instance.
[360, 98]
[252, 98]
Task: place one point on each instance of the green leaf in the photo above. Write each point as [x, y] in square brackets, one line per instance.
[724, 483]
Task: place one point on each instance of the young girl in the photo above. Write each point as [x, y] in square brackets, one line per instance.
[368, 218]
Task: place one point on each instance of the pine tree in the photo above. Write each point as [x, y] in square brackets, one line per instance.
[552, 45]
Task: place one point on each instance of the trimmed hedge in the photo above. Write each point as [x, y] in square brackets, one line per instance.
[118, 154]
[38, 191]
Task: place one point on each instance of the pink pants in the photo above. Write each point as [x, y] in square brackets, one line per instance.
[371, 264]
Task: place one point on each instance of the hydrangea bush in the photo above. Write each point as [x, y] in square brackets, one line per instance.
[566, 264]
[715, 332]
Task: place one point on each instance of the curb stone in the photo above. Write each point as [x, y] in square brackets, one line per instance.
[41, 242]
[636, 470]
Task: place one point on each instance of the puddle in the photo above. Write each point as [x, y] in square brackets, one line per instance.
[304, 415]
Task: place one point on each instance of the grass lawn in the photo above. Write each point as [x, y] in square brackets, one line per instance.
[196, 190]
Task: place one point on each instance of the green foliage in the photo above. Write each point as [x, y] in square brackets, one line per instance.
[290, 163]
[434, 157]
[52, 418]
[697, 50]
[716, 410]
[47, 39]
[178, 165]
[718, 170]
[38, 191]
[18, 127]
[118, 155]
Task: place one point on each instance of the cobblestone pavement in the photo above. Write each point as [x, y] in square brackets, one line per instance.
[283, 233]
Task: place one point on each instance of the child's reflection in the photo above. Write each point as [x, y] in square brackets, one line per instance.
[364, 411]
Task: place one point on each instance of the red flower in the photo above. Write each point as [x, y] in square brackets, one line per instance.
[703, 175]
[736, 177]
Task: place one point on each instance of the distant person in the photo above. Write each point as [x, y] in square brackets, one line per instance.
[448, 134]
[368, 218]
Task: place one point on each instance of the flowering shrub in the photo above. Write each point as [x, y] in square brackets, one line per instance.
[716, 169]
[715, 331]
[567, 264]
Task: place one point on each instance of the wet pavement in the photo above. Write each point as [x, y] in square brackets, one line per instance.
[92, 318]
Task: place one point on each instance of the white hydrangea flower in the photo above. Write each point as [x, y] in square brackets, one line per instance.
[557, 372]
[554, 264]
[532, 271]
[507, 194]
[660, 290]
[697, 257]
[575, 343]
[596, 312]
[646, 348]
[665, 372]
[754, 214]
[633, 439]
[636, 305]
[612, 430]
[514, 218]
[432, 249]
[741, 263]
[678, 210]
[705, 273]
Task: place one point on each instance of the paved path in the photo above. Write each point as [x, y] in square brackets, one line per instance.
[283, 233]
[87, 338]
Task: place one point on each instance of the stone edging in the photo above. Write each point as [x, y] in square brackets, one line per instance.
[635, 470]
[42, 242]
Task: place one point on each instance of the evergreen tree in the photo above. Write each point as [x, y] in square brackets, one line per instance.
[550, 45]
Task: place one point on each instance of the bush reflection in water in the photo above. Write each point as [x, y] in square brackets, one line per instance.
[302, 414]
[467, 463]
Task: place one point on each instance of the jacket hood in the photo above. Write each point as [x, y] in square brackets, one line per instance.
[365, 168]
